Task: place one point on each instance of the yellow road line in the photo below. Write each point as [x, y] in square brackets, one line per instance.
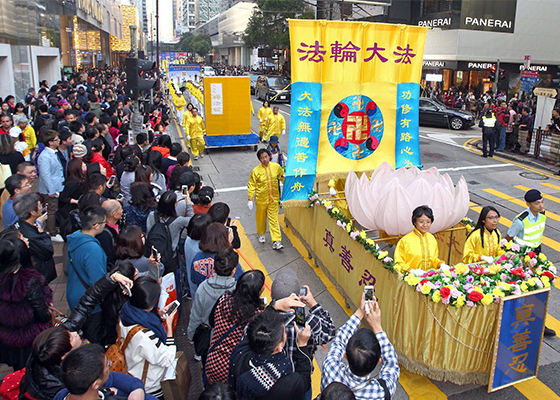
[534, 389]
[550, 185]
[315, 379]
[546, 196]
[416, 386]
[520, 203]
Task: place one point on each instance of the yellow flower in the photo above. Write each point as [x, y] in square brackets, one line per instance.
[460, 301]
[349, 227]
[542, 257]
[436, 297]
[363, 234]
[508, 245]
[461, 269]
[498, 292]
[398, 268]
[327, 203]
[545, 280]
[335, 210]
[412, 280]
[527, 259]
[447, 272]
[426, 289]
[531, 282]
[523, 287]
[478, 289]
[382, 255]
[370, 242]
[487, 299]
[494, 269]
[505, 286]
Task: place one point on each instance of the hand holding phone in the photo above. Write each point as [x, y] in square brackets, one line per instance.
[126, 290]
[300, 316]
[171, 308]
[111, 181]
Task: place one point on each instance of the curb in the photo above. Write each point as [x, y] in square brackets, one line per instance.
[520, 159]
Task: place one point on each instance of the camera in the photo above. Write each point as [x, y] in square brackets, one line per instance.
[368, 290]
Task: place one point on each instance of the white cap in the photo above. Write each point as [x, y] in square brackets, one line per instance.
[15, 132]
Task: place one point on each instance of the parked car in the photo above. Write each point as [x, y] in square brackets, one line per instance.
[253, 79]
[433, 113]
[270, 86]
[208, 71]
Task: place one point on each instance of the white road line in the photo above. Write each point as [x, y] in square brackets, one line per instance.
[450, 142]
[232, 189]
[475, 167]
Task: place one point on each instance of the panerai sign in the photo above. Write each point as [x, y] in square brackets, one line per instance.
[489, 22]
[483, 15]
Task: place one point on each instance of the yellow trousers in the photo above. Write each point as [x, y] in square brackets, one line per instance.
[269, 210]
[262, 128]
[197, 145]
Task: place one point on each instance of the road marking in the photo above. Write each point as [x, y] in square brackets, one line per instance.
[232, 189]
[474, 167]
[550, 185]
[534, 389]
[416, 386]
[436, 139]
[520, 203]
[546, 196]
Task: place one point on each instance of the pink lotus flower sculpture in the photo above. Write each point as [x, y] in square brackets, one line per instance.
[386, 200]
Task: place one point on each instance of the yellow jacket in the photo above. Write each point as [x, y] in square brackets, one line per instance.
[195, 127]
[473, 247]
[417, 251]
[264, 183]
[186, 117]
[30, 137]
[179, 102]
[171, 89]
[276, 124]
[264, 115]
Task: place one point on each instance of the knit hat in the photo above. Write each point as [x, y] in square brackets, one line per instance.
[77, 139]
[79, 150]
[532, 195]
[285, 283]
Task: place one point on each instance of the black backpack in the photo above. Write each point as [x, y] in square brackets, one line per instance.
[160, 238]
[71, 224]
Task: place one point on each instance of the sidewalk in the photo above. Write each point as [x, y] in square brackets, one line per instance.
[527, 159]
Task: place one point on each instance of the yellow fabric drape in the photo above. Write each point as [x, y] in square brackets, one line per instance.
[424, 347]
[473, 247]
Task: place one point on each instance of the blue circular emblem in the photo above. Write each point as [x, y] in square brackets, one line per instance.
[355, 127]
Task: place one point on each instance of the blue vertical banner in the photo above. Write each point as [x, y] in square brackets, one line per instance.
[407, 143]
[305, 124]
[518, 341]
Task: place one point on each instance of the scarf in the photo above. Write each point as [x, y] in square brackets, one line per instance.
[131, 315]
[264, 373]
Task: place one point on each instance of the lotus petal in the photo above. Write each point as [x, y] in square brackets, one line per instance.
[366, 202]
[420, 191]
[461, 202]
[406, 176]
[353, 199]
[442, 206]
[448, 183]
[384, 166]
[393, 212]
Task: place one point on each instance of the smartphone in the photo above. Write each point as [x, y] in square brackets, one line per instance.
[126, 289]
[185, 190]
[120, 196]
[300, 316]
[368, 290]
[43, 210]
[112, 180]
[172, 307]
[264, 301]
[303, 291]
[155, 253]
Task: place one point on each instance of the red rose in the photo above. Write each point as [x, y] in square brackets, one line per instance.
[548, 274]
[445, 292]
[531, 254]
[475, 296]
[423, 281]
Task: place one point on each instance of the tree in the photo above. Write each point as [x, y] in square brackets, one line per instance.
[201, 44]
[184, 44]
[268, 25]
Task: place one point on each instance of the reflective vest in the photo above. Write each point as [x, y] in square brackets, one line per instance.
[489, 122]
[532, 231]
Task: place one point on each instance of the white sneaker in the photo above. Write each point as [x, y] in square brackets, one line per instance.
[57, 239]
[201, 155]
[277, 246]
[196, 157]
[261, 239]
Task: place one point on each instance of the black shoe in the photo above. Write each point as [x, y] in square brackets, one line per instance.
[484, 156]
[549, 332]
[557, 173]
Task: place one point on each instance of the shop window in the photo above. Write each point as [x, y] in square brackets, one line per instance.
[440, 6]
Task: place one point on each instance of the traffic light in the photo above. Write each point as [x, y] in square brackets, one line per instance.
[492, 76]
[502, 75]
[135, 70]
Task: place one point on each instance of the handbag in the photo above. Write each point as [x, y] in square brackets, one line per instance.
[58, 318]
[115, 353]
[5, 173]
[177, 388]
[201, 340]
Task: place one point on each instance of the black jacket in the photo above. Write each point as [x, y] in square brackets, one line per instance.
[40, 382]
[40, 248]
[108, 241]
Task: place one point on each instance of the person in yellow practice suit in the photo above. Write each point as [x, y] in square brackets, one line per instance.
[180, 103]
[264, 115]
[195, 131]
[186, 117]
[483, 243]
[419, 249]
[276, 125]
[263, 184]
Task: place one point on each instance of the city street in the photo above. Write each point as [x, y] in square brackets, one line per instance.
[496, 181]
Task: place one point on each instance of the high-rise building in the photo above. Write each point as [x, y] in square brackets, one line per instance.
[189, 15]
[205, 10]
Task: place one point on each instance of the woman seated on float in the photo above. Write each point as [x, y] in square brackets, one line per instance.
[483, 243]
[419, 249]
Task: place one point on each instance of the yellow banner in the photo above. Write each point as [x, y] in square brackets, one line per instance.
[370, 76]
[227, 105]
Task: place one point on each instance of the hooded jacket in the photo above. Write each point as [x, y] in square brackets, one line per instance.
[86, 258]
[207, 295]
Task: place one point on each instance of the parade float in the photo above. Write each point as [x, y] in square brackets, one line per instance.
[352, 180]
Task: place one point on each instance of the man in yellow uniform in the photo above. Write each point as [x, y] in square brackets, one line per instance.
[263, 115]
[180, 103]
[264, 185]
[195, 131]
[276, 125]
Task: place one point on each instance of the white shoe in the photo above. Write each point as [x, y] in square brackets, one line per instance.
[277, 246]
[261, 239]
[57, 239]
[201, 155]
[196, 157]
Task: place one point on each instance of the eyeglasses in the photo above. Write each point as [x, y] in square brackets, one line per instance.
[102, 222]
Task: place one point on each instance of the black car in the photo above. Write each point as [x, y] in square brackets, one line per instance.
[253, 79]
[272, 86]
[433, 113]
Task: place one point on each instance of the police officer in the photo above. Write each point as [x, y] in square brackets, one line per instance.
[527, 228]
[487, 123]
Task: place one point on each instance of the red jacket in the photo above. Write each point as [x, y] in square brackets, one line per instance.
[500, 114]
[98, 158]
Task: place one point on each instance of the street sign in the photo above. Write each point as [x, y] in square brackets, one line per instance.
[527, 84]
[434, 77]
[545, 92]
[529, 74]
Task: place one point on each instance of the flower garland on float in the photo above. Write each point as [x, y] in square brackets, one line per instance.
[519, 270]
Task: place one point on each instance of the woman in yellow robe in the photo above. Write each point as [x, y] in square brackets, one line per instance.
[264, 114]
[419, 249]
[483, 243]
